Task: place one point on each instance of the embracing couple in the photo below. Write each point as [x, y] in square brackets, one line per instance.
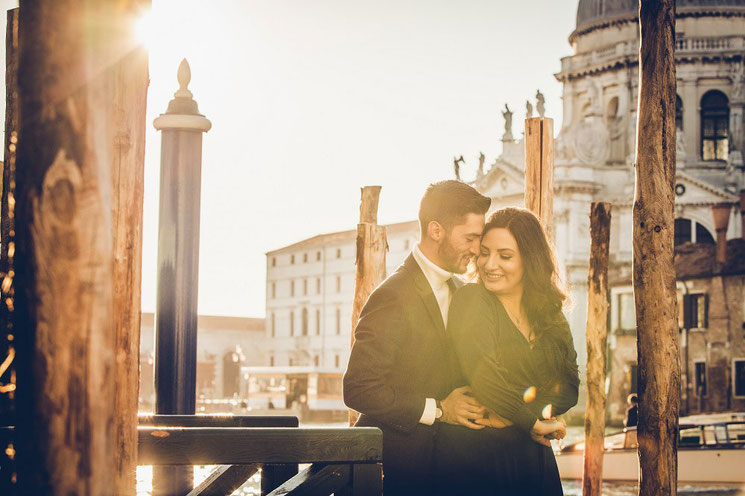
[466, 380]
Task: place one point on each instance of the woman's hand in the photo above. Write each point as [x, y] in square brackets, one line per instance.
[544, 431]
[493, 419]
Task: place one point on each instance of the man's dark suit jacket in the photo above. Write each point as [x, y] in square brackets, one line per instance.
[399, 358]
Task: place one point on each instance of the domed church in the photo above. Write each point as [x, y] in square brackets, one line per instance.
[594, 150]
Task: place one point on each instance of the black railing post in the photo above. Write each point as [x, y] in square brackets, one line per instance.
[178, 264]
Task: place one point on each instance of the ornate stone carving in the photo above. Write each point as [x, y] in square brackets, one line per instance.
[591, 142]
[593, 105]
[738, 83]
[680, 146]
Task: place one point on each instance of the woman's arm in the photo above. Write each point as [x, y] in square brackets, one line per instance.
[473, 331]
[562, 394]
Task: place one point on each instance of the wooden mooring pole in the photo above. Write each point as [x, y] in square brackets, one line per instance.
[82, 83]
[130, 82]
[654, 272]
[370, 259]
[597, 340]
[7, 251]
[539, 170]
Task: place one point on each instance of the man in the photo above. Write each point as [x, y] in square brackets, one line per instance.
[632, 412]
[401, 374]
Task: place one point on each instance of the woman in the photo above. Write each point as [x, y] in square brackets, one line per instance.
[516, 353]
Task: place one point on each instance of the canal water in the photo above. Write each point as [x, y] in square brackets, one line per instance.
[571, 488]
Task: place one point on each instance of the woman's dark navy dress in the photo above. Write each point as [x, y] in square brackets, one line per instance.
[518, 382]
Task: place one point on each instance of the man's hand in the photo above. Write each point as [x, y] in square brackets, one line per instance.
[545, 430]
[493, 419]
[459, 408]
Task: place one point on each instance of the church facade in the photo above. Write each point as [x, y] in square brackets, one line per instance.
[594, 150]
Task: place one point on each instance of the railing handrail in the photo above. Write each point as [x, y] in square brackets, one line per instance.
[217, 421]
[248, 445]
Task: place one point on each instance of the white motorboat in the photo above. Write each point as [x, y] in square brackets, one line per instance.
[708, 451]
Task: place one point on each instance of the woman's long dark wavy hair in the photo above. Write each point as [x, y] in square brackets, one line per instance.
[543, 293]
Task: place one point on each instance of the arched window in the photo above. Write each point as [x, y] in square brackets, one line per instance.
[305, 322]
[292, 323]
[687, 230]
[714, 126]
[678, 112]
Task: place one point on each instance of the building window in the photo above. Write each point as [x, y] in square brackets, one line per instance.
[338, 253]
[407, 245]
[292, 259]
[700, 378]
[696, 311]
[292, 323]
[318, 285]
[305, 258]
[274, 261]
[305, 286]
[338, 321]
[738, 377]
[338, 284]
[714, 126]
[292, 288]
[274, 290]
[318, 256]
[271, 361]
[273, 325]
[626, 313]
[318, 321]
[292, 362]
[316, 360]
[336, 361]
[678, 113]
[305, 322]
[685, 232]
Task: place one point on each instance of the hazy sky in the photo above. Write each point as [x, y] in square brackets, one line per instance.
[312, 99]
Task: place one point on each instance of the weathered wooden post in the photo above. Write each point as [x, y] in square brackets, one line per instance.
[71, 95]
[178, 267]
[7, 251]
[370, 260]
[539, 170]
[720, 213]
[130, 82]
[654, 272]
[597, 340]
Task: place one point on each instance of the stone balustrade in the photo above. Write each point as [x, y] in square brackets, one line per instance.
[631, 49]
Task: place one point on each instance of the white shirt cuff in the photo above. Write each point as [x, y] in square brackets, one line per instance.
[430, 410]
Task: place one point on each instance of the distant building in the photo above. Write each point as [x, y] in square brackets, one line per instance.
[224, 345]
[596, 143]
[711, 306]
[309, 295]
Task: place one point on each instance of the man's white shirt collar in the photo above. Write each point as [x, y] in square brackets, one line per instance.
[436, 275]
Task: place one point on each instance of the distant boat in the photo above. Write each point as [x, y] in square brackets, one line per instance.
[710, 449]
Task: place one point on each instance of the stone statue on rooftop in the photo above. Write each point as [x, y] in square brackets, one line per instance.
[540, 104]
[481, 165]
[528, 109]
[507, 114]
[456, 166]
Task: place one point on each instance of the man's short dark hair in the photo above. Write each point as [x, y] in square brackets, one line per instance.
[448, 202]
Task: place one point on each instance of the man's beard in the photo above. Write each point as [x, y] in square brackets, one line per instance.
[449, 257]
